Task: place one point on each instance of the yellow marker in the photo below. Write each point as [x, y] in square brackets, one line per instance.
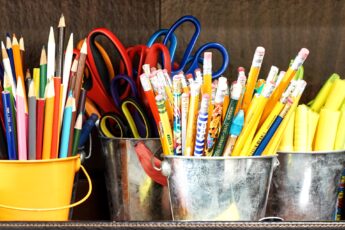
[336, 96]
[165, 126]
[252, 77]
[313, 119]
[192, 118]
[286, 143]
[289, 75]
[326, 130]
[322, 95]
[301, 129]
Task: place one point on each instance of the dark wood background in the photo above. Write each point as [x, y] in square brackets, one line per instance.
[281, 26]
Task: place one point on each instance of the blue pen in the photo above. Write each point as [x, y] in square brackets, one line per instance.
[87, 128]
[66, 126]
[260, 149]
[11, 142]
[235, 131]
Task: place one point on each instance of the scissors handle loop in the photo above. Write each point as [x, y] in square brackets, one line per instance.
[187, 53]
[161, 33]
[207, 46]
[109, 122]
[96, 60]
[115, 90]
[153, 53]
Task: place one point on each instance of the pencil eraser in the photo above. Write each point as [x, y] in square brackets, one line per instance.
[197, 70]
[208, 56]
[241, 69]
[260, 50]
[188, 76]
[303, 53]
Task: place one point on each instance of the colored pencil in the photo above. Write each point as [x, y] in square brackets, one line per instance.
[36, 79]
[56, 119]
[32, 121]
[7, 68]
[71, 135]
[21, 126]
[40, 104]
[66, 72]
[48, 120]
[22, 51]
[10, 56]
[80, 73]
[65, 132]
[10, 135]
[43, 72]
[77, 130]
[51, 55]
[61, 36]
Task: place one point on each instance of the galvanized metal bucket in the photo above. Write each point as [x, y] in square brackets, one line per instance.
[305, 186]
[218, 188]
[135, 188]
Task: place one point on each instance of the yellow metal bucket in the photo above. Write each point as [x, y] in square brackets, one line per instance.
[38, 190]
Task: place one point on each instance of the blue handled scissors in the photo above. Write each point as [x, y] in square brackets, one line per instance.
[194, 59]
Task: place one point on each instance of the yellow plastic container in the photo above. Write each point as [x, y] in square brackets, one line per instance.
[38, 190]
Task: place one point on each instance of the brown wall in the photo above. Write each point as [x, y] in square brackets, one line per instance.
[281, 26]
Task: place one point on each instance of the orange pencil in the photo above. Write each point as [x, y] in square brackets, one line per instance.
[56, 119]
[19, 66]
[290, 73]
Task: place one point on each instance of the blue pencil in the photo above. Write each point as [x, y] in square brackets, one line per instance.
[259, 150]
[268, 136]
[66, 126]
[11, 142]
[10, 56]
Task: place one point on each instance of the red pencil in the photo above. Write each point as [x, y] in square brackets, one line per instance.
[39, 129]
[56, 119]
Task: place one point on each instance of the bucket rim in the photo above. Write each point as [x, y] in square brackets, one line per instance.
[40, 161]
[221, 157]
[128, 138]
[312, 152]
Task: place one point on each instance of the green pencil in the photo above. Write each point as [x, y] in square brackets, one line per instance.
[43, 73]
[77, 130]
[224, 132]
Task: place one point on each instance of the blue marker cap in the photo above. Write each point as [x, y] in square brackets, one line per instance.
[237, 123]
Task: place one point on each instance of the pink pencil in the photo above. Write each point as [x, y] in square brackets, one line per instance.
[21, 126]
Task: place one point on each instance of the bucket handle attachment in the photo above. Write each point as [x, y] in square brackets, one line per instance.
[150, 162]
[57, 208]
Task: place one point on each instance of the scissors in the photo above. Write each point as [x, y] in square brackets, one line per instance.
[142, 54]
[192, 60]
[121, 106]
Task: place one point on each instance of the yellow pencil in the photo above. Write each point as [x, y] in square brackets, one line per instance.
[252, 77]
[36, 77]
[192, 118]
[48, 120]
[242, 79]
[290, 73]
[206, 87]
[165, 126]
[273, 145]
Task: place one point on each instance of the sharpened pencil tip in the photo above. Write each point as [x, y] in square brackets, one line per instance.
[62, 21]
